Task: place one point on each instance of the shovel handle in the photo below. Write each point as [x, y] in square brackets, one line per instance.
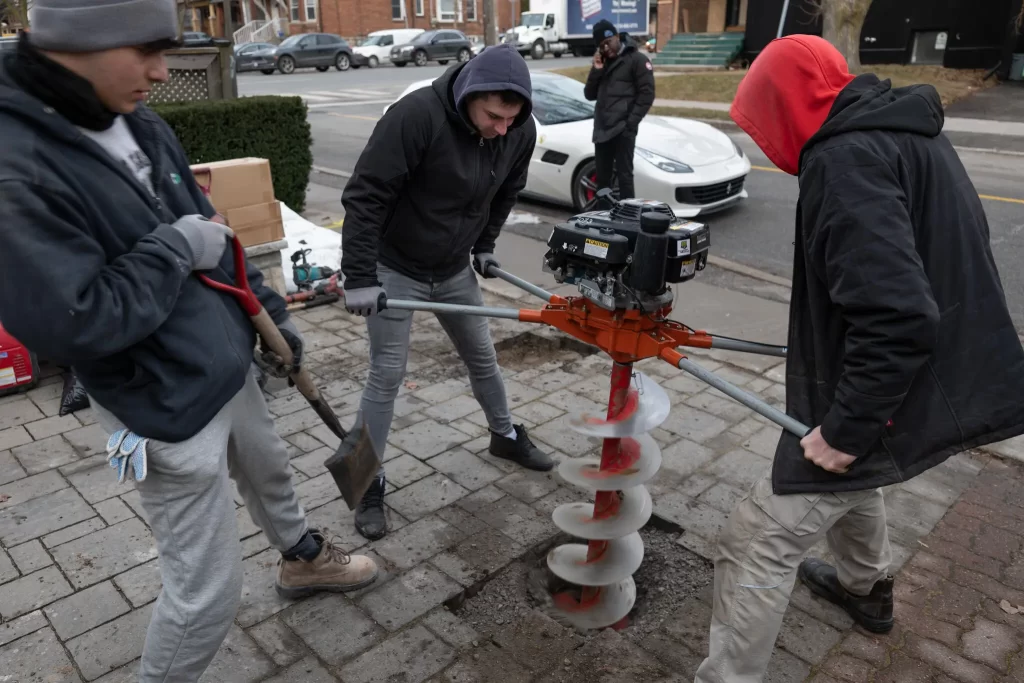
[275, 341]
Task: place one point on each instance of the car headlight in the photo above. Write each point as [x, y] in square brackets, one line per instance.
[664, 163]
[407, 49]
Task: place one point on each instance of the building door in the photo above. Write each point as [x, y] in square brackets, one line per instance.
[732, 13]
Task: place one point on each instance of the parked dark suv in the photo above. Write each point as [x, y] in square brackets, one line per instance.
[319, 50]
[433, 46]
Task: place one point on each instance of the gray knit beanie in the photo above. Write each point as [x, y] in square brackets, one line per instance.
[96, 25]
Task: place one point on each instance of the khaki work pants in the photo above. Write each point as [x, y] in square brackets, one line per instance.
[759, 551]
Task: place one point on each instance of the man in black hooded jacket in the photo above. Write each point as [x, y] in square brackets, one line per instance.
[439, 176]
[901, 349]
[622, 82]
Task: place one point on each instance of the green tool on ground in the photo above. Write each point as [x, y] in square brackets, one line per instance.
[354, 473]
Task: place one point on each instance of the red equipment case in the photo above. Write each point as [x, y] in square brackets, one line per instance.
[19, 368]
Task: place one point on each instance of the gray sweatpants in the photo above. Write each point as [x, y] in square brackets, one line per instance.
[759, 551]
[188, 500]
[389, 351]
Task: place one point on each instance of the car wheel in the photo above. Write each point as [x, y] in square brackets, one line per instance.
[584, 185]
[269, 72]
[537, 51]
[442, 62]
[374, 62]
[399, 63]
[556, 55]
[342, 62]
[464, 55]
[420, 58]
[286, 64]
[322, 69]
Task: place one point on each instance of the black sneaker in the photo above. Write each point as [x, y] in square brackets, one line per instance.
[371, 521]
[872, 611]
[520, 450]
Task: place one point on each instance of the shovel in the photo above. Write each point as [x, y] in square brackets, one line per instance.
[354, 473]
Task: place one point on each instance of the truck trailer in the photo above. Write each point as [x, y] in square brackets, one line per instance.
[558, 27]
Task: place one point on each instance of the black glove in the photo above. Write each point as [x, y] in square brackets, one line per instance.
[482, 261]
[273, 364]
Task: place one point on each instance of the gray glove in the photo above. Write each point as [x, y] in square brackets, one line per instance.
[482, 261]
[206, 239]
[363, 301]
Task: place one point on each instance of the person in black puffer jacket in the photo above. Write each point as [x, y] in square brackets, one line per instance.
[622, 83]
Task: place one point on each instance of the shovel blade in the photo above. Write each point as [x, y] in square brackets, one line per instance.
[354, 467]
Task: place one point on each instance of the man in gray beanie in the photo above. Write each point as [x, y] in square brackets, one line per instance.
[103, 223]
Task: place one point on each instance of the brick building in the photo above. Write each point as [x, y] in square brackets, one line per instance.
[356, 18]
[352, 19]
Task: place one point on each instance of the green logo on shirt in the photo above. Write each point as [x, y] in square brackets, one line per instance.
[176, 178]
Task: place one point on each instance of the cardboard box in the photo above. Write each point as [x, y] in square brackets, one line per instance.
[235, 183]
[256, 223]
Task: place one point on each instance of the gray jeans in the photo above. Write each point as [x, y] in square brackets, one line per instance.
[389, 351]
[188, 501]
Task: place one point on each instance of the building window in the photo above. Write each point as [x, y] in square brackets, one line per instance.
[398, 9]
[296, 12]
[311, 10]
[470, 10]
[446, 10]
[419, 8]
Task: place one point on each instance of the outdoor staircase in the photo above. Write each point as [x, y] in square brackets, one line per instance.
[700, 49]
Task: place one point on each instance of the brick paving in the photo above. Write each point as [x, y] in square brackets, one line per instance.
[79, 572]
[957, 599]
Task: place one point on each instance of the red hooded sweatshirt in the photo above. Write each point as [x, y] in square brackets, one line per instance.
[787, 95]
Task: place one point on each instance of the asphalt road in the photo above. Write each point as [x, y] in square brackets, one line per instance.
[758, 233]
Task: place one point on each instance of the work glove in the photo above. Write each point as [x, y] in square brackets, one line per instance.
[482, 261]
[207, 239]
[273, 364]
[363, 301]
[124, 448]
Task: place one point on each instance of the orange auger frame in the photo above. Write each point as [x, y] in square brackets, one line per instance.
[627, 336]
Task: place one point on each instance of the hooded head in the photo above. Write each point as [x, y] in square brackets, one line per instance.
[493, 92]
[787, 95]
[115, 45]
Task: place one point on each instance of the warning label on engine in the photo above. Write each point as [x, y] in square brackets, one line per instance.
[596, 249]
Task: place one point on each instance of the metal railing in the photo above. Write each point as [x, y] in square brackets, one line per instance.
[261, 31]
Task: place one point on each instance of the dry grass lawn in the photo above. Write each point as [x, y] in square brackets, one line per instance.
[720, 86]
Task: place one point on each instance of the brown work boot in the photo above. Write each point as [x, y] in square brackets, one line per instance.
[332, 570]
[872, 611]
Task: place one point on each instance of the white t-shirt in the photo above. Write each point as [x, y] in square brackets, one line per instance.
[120, 144]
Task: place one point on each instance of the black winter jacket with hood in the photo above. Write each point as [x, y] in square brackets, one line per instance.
[624, 91]
[428, 189]
[93, 276]
[901, 346]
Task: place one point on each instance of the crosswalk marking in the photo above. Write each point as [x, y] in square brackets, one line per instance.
[316, 98]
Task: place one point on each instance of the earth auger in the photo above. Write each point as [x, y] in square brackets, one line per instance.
[623, 262]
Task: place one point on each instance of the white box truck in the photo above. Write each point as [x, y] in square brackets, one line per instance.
[567, 26]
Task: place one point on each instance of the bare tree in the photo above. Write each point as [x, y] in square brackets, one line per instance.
[16, 11]
[841, 23]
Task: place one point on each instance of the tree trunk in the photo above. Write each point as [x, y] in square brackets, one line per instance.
[841, 23]
[16, 11]
[490, 29]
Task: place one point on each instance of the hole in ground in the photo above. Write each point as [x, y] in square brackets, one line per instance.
[529, 350]
[668, 577]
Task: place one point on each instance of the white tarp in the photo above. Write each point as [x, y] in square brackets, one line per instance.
[301, 234]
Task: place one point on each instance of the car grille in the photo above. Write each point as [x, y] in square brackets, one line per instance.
[709, 194]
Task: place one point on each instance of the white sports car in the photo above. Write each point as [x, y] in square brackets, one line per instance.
[693, 167]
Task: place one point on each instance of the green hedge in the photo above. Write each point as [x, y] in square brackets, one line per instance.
[273, 128]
